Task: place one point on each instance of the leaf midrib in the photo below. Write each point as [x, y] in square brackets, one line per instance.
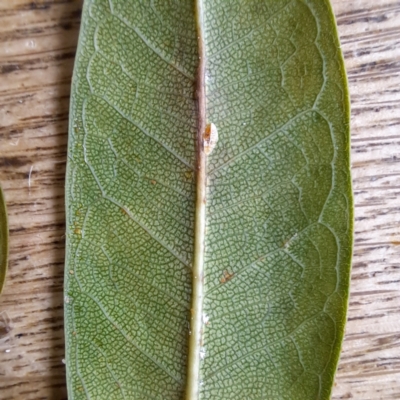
[196, 320]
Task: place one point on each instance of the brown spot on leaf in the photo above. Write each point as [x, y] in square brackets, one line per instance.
[227, 276]
[189, 175]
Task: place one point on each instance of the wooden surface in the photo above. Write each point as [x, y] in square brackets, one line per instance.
[37, 46]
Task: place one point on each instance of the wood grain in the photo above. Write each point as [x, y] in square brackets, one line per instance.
[370, 37]
[38, 42]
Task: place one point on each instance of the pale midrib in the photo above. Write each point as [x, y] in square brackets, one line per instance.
[196, 323]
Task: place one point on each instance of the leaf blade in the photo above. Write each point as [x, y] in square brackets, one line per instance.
[271, 201]
[131, 195]
[123, 112]
[287, 131]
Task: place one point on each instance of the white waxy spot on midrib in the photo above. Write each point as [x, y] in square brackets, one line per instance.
[210, 138]
[202, 353]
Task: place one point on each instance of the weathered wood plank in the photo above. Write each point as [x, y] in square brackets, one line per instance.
[37, 47]
[370, 362]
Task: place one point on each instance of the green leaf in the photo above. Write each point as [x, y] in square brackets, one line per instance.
[3, 240]
[205, 274]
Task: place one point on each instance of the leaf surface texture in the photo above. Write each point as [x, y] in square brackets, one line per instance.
[279, 207]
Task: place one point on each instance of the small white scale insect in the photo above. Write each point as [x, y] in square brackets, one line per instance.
[210, 138]
[202, 353]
